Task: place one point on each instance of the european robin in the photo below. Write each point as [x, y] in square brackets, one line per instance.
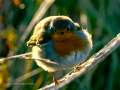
[60, 40]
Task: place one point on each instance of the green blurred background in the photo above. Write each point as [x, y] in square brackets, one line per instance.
[100, 17]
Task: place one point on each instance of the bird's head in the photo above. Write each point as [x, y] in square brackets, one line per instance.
[62, 28]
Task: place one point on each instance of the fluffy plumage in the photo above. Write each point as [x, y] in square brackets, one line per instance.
[67, 49]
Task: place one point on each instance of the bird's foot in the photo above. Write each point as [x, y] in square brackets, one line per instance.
[56, 81]
[77, 68]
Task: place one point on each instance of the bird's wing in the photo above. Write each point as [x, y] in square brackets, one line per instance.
[40, 34]
[40, 37]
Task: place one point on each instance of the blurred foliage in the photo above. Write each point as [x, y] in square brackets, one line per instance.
[100, 17]
[4, 75]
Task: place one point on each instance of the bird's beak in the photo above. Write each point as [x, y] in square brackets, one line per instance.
[61, 33]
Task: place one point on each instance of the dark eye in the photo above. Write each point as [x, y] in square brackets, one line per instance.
[68, 29]
[55, 30]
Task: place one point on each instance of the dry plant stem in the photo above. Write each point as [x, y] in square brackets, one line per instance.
[40, 59]
[88, 65]
[13, 57]
[22, 56]
[40, 12]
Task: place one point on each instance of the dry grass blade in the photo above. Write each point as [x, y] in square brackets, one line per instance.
[40, 12]
[88, 65]
[25, 76]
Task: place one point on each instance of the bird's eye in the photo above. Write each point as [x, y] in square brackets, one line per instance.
[68, 29]
[54, 30]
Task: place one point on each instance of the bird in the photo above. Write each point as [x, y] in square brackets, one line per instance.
[60, 40]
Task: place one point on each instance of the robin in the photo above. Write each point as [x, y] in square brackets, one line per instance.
[60, 40]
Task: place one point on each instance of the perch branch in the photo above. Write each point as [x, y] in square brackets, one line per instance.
[88, 65]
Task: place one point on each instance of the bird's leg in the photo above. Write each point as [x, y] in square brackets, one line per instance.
[55, 80]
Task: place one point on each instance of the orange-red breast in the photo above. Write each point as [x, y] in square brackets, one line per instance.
[60, 40]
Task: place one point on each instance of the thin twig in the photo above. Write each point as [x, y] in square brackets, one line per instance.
[22, 56]
[40, 59]
[13, 57]
[88, 65]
